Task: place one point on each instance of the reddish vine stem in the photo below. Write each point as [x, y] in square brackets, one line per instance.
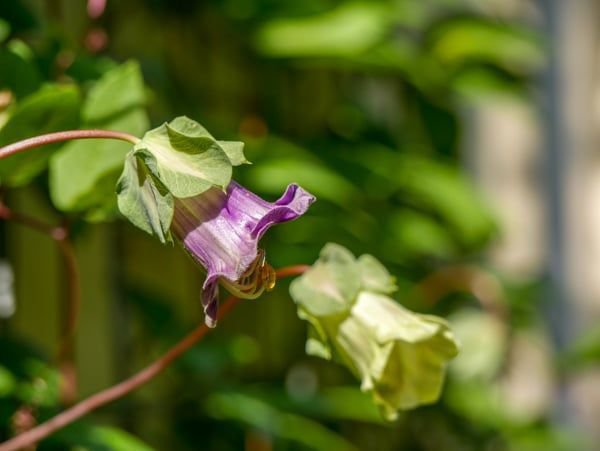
[51, 138]
[132, 383]
[72, 305]
[60, 234]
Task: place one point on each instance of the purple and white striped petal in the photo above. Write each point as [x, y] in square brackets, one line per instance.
[221, 230]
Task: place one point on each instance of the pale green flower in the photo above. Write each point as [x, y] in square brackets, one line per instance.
[399, 356]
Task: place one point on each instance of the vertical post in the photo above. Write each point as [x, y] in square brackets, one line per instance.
[557, 162]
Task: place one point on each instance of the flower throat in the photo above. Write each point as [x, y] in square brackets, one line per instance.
[259, 277]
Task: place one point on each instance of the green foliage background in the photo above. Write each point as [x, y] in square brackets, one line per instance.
[360, 103]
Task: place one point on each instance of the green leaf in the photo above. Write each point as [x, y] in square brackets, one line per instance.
[259, 414]
[479, 330]
[42, 385]
[18, 74]
[584, 351]
[83, 173]
[468, 39]
[189, 160]
[142, 198]
[8, 382]
[412, 234]
[441, 190]
[52, 108]
[350, 29]
[273, 174]
[118, 91]
[4, 30]
[84, 435]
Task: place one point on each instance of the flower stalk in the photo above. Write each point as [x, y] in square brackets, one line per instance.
[51, 138]
[72, 302]
[123, 388]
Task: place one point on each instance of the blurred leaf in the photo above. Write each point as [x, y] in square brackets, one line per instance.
[89, 68]
[583, 352]
[479, 402]
[119, 90]
[4, 30]
[332, 403]
[8, 382]
[445, 190]
[272, 175]
[42, 385]
[19, 47]
[83, 173]
[350, 29]
[50, 109]
[346, 403]
[478, 84]
[513, 48]
[409, 235]
[548, 438]
[90, 437]
[477, 331]
[256, 413]
[450, 208]
[18, 75]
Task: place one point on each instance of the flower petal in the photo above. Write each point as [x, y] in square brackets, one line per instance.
[221, 230]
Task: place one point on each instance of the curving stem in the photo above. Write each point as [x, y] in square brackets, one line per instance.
[60, 234]
[132, 383]
[52, 138]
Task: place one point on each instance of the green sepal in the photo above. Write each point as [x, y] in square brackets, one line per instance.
[142, 198]
[374, 276]
[234, 151]
[330, 286]
[189, 159]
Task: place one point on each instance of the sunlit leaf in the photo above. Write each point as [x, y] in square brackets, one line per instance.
[189, 160]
